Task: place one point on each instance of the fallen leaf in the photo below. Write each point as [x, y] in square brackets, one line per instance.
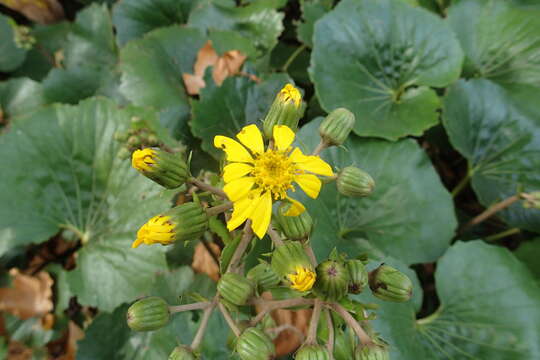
[203, 262]
[18, 351]
[40, 11]
[74, 334]
[224, 66]
[29, 296]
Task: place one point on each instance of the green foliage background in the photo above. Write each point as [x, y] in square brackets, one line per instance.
[441, 90]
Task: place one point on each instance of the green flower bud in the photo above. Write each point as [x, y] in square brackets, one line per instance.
[337, 126]
[358, 276]
[390, 284]
[182, 353]
[295, 227]
[167, 169]
[290, 261]
[235, 288]
[354, 182]
[153, 140]
[231, 338]
[286, 110]
[332, 280]
[134, 141]
[371, 352]
[148, 314]
[181, 223]
[312, 352]
[121, 136]
[254, 344]
[123, 153]
[263, 276]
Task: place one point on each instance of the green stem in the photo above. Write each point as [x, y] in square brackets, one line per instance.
[502, 234]
[462, 184]
[82, 236]
[293, 56]
[430, 318]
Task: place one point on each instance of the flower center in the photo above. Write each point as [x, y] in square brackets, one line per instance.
[274, 172]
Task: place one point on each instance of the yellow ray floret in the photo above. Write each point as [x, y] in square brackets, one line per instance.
[255, 178]
[159, 229]
[290, 93]
[302, 279]
[144, 159]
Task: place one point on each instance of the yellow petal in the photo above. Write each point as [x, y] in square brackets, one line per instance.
[235, 170]
[310, 163]
[310, 184]
[261, 215]
[295, 209]
[234, 150]
[243, 209]
[283, 137]
[239, 188]
[251, 137]
[137, 242]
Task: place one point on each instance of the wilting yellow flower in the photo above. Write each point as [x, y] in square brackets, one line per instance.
[159, 229]
[144, 159]
[290, 93]
[303, 278]
[254, 178]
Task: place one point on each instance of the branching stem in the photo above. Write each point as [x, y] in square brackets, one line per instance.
[204, 324]
[320, 147]
[315, 315]
[491, 211]
[242, 246]
[269, 305]
[229, 319]
[219, 209]
[207, 187]
[353, 324]
[189, 307]
[330, 342]
[276, 239]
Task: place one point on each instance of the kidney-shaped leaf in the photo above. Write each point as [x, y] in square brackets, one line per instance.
[378, 59]
[68, 176]
[489, 310]
[409, 216]
[500, 137]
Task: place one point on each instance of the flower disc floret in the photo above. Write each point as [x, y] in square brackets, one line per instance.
[302, 279]
[255, 177]
[159, 229]
[144, 159]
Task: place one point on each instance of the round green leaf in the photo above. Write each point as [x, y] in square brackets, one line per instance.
[19, 95]
[500, 42]
[529, 253]
[378, 59]
[134, 18]
[152, 67]
[224, 110]
[259, 22]
[312, 10]
[489, 310]
[500, 137]
[68, 176]
[409, 216]
[11, 55]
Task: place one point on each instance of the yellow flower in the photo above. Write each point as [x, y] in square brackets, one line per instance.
[303, 279]
[254, 178]
[144, 159]
[159, 229]
[288, 93]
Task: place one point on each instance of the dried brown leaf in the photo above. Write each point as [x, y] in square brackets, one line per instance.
[224, 66]
[40, 11]
[29, 296]
[203, 262]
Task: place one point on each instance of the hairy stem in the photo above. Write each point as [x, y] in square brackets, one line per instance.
[462, 184]
[242, 246]
[189, 307]
[320, 147]
[311, 255]
[219, 209]
[278, 329]
[330, 342]
[229, 319]
[315, 315]
[269, 305]
[207, 187]
[353, 324]
[276, 239]
[204, 324]
[491, 211]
